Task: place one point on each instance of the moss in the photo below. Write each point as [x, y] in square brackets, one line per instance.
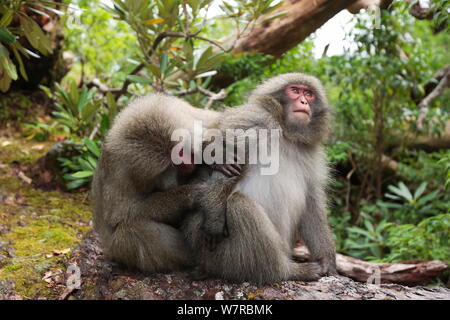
[14, 106]
[15, 151]
[39, 222]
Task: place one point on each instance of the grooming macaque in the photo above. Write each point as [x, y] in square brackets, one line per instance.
[139, 194]
[267, 213]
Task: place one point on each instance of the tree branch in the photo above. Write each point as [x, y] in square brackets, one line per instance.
[212, 96]
[414, 272]
[436, 92]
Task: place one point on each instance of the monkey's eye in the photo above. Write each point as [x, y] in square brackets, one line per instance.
[295, 90]
[309, 93]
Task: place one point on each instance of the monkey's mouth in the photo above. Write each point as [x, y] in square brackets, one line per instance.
[303, 111]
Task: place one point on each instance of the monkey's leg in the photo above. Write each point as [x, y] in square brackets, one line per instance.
[316, 233]
[149, 246]
[254, 250]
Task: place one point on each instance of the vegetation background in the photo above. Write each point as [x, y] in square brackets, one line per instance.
[68, 67]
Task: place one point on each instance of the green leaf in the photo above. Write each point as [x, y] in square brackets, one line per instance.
[155, 70]
[7, 64]
[6, 36]
[163, 63]
[76, 183]
[199, 60]
[405, 191]
[35, 35]
[92, 147]
[19, 60]
[139, 79]
[82, 174]
[7, 18]
[420, 190]
[5, 82]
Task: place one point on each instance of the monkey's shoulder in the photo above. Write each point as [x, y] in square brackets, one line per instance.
[247, 117]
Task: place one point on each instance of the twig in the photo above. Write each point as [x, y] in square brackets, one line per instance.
[218, 96]
[436, 92]
[212, 95]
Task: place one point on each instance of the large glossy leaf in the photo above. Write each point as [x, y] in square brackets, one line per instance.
[35, 35]
[6, 35]
[6, 63]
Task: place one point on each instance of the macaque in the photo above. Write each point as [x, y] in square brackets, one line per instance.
[266, 214]
[140, 195]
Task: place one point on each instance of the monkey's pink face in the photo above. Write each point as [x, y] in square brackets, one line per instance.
[301, 97]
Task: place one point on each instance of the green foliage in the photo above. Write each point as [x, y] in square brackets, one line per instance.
[417, 166]
[102, 47]
[40, 131]
[242, 65]
[338, 152]
[84, 117]
[77, 109]
[446, 162]
[411, 207]
[368, 239]
[428, 240]
[380, 225]
[170, 41]
[79, 169]
[11, 37]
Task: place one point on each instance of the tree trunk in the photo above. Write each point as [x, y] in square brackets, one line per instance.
[302, 18]
[275, 37]
[411, 273]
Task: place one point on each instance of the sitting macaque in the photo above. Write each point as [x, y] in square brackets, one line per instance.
[140, 195]
[266, 214]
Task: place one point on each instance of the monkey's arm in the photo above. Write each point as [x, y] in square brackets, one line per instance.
[315, 231]
[212, 203]
[166, 206]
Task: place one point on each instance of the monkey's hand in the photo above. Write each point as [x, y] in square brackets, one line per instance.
[212, 203]
[230, 170]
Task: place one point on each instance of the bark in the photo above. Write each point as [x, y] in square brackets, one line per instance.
[411, 273]
[365, 4]
[100, 279]
[301, 19]
[425, 142]
[426, 13]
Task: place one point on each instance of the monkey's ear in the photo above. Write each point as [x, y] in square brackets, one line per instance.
[270, 104]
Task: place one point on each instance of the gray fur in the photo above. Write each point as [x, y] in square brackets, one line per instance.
[138, 202]
[266, 214]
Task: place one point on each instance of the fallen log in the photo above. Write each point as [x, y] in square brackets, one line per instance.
[410, 273]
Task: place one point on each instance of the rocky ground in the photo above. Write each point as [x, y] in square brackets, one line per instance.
[48, 251]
